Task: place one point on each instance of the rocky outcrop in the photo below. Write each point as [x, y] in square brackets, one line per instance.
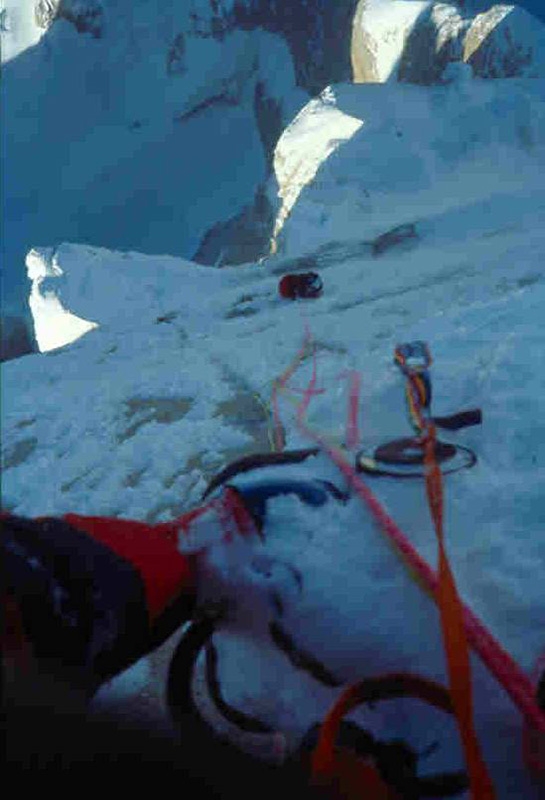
[395, 237]
[379, 31]
[242, 239]
[435, 41]
[246, 236]
[317, 33]
[506, 42]
[316, 132]
[403, 149]
[86, 16]
[45, 12]
[414, 42]
[176, 62]
[15, 338]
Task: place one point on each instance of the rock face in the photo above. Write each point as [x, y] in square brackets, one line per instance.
[86, 15]
[317, 33]
[246, 236]
[313, 136]
[140, 81]
[435, 41]
[45, 12]
[213, 55]
[243, 238]
[388, 181]
[15, 339]
[506, 42]
[379, 31]
[318, 38]
[191, 59]
[414, 41]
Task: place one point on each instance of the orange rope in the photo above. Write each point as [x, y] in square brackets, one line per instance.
[450, 606]
[351, 771]
[280, 384]
[454, 635]
[353, 777]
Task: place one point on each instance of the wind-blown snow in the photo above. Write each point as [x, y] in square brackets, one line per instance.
[134, 416]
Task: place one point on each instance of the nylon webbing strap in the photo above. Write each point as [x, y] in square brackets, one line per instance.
[414, 359]
[454, 635]
[506, 671]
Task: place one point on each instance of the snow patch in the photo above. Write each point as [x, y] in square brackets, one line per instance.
[316, 132]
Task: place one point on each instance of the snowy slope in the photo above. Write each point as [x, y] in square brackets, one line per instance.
[140, 124]
[133, 417]
[432, 158]
[141, 134]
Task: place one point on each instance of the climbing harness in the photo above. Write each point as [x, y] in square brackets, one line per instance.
[255, 461]
[459, 625]
[415, 361]
[255, 495]
[392, 764]
[301, 659]
[388, 769]
[196, 703]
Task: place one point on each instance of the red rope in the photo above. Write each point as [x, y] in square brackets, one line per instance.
[533, 741]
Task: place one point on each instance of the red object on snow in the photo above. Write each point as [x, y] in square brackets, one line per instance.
[151, 549]
[154, 550]
[300, 285]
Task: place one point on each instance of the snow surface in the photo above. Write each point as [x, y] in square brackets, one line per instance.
[19, 30]
[390, 23]
[433, 157]
[413, 40]
[307, 142]
[101, 144]
[131, 418]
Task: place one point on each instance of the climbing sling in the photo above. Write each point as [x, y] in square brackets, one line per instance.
[405, 457]
[459, 624]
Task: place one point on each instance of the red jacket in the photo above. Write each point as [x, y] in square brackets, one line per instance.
[94, 594]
